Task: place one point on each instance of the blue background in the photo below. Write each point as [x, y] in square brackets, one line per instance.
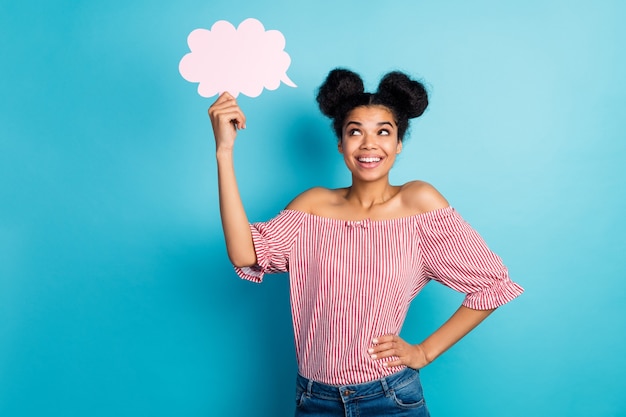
[116, 295]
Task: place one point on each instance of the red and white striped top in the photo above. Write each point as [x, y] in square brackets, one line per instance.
[351, 281]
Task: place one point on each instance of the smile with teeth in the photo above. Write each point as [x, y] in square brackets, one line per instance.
[369, 159]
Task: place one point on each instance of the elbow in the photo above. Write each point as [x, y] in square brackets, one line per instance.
[242, 261]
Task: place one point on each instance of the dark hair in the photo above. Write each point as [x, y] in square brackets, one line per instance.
[343, 91]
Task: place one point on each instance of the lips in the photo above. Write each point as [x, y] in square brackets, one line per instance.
[369, 161]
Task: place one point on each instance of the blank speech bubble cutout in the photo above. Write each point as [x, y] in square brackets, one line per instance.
[243, 60]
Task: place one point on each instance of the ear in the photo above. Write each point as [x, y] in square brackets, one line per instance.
[399, 147]
[340, 147]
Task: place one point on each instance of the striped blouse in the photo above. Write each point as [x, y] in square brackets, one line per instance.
[351, 281]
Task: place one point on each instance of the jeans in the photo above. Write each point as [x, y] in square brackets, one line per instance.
[399, 394]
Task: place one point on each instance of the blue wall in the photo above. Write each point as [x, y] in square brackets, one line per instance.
[116, 296]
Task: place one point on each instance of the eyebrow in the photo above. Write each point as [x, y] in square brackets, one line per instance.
[361, 124]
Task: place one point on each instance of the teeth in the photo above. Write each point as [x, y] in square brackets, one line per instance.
[371, 159]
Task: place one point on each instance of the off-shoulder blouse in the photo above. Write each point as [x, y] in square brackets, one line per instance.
[351, 281]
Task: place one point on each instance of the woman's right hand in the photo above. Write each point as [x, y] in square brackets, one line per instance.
[226, 118]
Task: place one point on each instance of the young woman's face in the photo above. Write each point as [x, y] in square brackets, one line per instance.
[369, 142]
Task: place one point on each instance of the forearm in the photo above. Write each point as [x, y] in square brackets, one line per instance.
[461, 323]
[235, 222]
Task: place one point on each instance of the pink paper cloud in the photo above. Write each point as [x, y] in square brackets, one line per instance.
[243, 60]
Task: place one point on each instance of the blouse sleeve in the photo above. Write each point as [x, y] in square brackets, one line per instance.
[455, 255]
[273, 241]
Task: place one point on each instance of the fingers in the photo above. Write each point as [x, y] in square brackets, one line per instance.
[224, 97]
[393, 351]
[225, 113]
[228, 116]
[224, 103]
[385, 347]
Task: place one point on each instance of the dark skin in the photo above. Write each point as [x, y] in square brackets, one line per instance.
[369, 145]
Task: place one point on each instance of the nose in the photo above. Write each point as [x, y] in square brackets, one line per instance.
[368, 141]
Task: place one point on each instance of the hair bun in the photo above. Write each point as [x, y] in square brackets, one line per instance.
[407, 95]
[339, 85]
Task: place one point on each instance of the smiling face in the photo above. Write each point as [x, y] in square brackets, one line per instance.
[369, 142]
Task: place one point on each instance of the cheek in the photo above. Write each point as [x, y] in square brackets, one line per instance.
[346, 145]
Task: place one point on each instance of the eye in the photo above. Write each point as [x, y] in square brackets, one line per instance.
[383, 132]
[354, 132]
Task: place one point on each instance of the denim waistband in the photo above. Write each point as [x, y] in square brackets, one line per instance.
[345, 392]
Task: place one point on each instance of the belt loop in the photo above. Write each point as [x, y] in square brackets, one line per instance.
[386, 389]
[309, 388]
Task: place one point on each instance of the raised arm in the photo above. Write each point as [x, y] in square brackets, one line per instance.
[226, 119]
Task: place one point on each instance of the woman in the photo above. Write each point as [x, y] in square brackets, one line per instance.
[357, 256]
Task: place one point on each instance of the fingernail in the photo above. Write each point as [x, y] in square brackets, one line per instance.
[374, 341]
[385, 365]
[370, 350]
[373, 356]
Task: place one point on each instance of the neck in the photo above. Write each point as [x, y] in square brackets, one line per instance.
[369, 194]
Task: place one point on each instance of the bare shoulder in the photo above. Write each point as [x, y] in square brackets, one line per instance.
[422, 197]
[311, 200]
